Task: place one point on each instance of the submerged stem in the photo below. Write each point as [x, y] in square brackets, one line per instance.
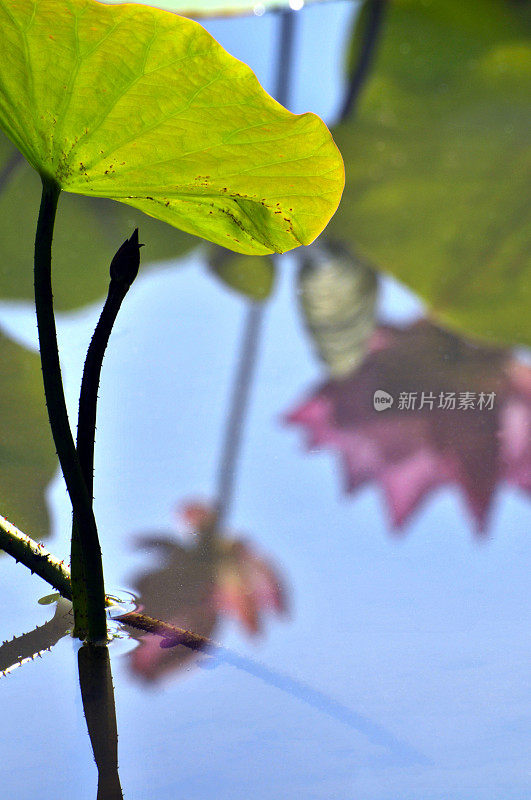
[55, 401]
[97, 694]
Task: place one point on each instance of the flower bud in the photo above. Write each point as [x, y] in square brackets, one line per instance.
[125, 264]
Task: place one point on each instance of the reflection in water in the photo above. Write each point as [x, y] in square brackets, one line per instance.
[20, 649]
[238, 408]
[255, 311]
[460, 414]
[337, 295]
[195, 584]
[95, 680]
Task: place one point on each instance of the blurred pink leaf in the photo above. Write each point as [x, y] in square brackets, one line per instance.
[411, 452]
[195, 584]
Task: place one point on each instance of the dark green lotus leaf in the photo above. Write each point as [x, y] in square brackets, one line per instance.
[27, 454]
[252, 276]
[438, 158]
[88, 233]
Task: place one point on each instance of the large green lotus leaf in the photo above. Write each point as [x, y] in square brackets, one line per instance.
[88, 233]
[437, 160]
[139, 105]
[27, 455]
[215, 8]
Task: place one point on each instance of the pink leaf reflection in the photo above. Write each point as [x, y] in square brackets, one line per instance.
[198, 580]
[412, 451]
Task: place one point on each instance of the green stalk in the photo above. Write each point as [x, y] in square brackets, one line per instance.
[57, 413]
[124, 268]
[35, 557]
[79, 583]
[48, 567]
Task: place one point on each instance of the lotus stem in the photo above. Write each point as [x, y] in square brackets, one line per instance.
[123, 269]
[58, 415]
[35, 557]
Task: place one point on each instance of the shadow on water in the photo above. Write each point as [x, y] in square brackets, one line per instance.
[97, 691]
[28, 646]
[194, 586]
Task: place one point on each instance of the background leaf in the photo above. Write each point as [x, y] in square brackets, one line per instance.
[88, 233]
[337, 298]
[437, 162]
[252, 276]
[27, 455]
[138, 105]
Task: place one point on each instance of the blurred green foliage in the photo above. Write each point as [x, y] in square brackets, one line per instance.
[251, 276]
[27, 454]
[437, 161]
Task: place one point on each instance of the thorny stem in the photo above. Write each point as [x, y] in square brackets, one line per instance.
[97, 694]
[88, 396]
[35, 557]
[57, 413]
[20, 649]
[171, 636]
[40, 561]
[124, 268]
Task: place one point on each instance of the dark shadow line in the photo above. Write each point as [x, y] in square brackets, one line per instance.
[239, 405]
[360, 71]
[285, 56]
[245, 370]
[374, 733]
[214, 654]
[8, 169]
[43, 637]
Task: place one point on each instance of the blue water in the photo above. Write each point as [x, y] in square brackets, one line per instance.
[401, 670]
